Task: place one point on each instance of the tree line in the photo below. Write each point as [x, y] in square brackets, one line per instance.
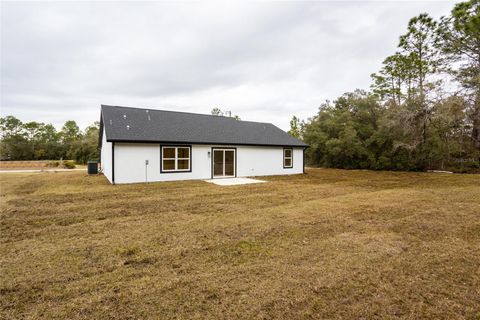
[422, 110]
[40, 141]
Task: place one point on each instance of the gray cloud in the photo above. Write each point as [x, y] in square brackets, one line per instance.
[263, 61]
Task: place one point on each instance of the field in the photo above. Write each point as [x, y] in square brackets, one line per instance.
[329, 244]
[33, 165]
[15, 165]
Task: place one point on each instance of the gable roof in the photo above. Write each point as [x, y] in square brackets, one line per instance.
[126, 124]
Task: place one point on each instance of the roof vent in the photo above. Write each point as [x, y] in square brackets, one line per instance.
[110, 121]
[149, 117]
[128, 127]
[124, 116]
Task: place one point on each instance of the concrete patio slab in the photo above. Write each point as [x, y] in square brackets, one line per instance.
[233, 181]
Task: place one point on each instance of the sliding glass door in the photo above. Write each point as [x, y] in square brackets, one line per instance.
[223, 163]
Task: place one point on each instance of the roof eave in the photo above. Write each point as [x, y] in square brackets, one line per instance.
[209, 143]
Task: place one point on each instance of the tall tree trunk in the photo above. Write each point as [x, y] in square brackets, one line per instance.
[423, 110]
[422, 94]
[399, 93]
[393, 92]
[476, 123]
[409, 92]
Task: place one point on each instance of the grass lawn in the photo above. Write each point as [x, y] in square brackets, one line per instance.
[328, 244]
[34, 165]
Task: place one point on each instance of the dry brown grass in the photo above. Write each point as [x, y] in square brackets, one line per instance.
[32, 165]
[328, 244]
[15, 165]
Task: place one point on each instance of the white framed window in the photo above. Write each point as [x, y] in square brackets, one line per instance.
[176, 158]
[287, 158]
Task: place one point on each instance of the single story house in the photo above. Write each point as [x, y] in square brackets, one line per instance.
[145, 145]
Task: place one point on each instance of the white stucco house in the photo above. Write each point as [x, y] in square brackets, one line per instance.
[145, 145]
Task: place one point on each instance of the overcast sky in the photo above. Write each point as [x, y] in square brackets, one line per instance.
[264, 61]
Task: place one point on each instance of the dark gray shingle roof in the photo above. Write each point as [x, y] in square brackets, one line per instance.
[135, 124]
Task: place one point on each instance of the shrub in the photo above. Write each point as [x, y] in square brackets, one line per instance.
[69, 165]
[53, 164]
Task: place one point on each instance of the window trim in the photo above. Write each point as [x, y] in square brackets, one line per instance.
[291, 158]
[162, 146]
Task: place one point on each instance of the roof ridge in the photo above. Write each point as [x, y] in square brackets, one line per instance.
[184, 112]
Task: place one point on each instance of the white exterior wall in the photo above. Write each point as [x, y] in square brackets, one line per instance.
[106, 157]
[130, 159]
[266, 161]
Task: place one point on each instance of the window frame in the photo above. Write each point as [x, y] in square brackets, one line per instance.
[291, 158]
[176, 158]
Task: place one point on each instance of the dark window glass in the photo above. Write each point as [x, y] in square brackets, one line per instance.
[169, 152]
[183, 152]
[288, 163]
[183, 164]
[168, 164]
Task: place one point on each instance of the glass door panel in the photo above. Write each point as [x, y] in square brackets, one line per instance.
[229, 163]
[218, 163]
